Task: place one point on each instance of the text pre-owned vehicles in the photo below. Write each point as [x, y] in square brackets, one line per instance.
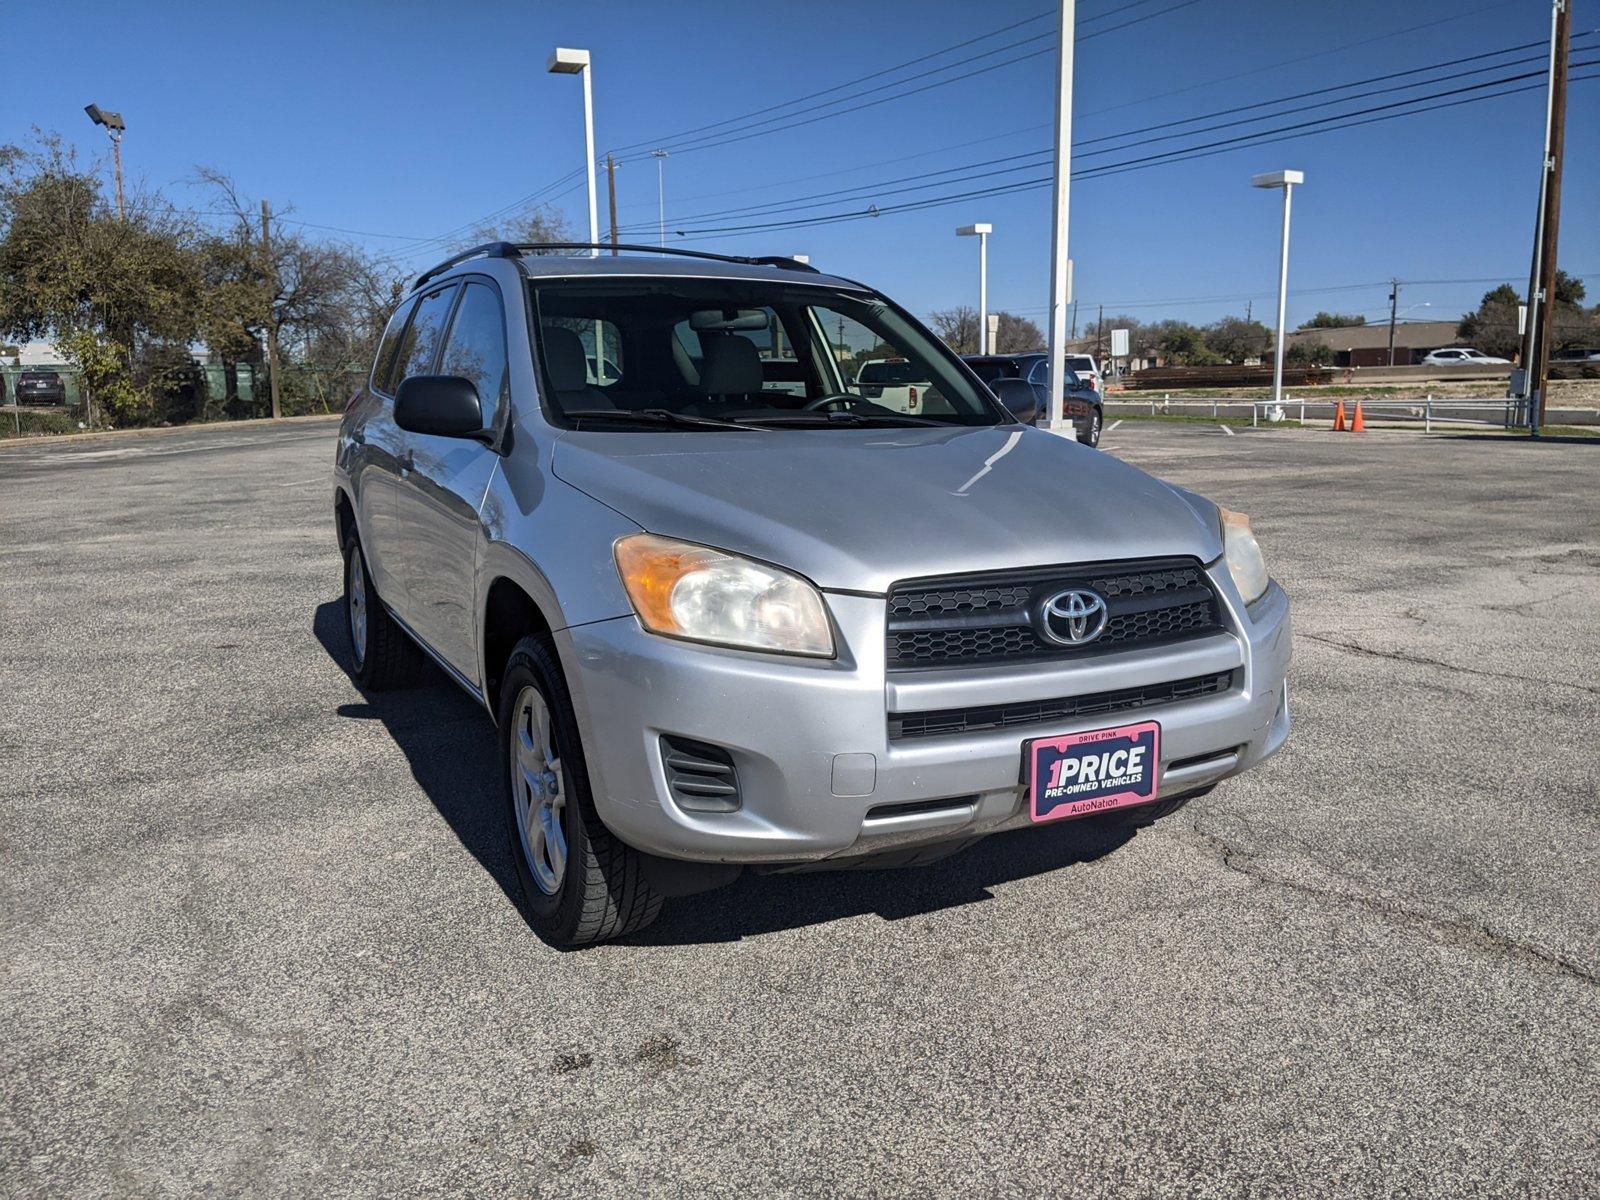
[1080, 402]
[727, 612]
[41, 387]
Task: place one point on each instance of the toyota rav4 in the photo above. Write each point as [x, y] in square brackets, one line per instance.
[729, 612]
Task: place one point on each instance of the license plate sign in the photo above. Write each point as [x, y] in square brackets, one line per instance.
[1085, 773]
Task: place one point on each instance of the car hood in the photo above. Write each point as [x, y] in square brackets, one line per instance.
[857, 509]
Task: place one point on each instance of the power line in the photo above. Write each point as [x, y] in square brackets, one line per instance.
[1260, 137]
[664, 142]
[879, 188]
[882, 188]
[753, 131]
[670, 141]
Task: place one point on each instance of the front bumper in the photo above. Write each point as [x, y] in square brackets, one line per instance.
[820, 776]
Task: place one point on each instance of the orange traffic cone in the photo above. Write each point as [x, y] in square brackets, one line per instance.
[1358, 425]
[1338, 418]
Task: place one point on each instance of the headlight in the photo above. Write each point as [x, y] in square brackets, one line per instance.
[687, 591]
[1243, 553]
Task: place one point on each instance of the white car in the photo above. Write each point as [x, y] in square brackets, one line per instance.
[1463, 356]
[893, 383]
[1083, 366]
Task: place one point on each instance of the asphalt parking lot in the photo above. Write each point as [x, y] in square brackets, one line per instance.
[258, 934]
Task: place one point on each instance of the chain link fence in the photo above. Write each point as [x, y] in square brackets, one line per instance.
[197, 393]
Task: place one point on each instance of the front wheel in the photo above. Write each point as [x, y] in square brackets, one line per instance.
[1091, 437]
[581, 884]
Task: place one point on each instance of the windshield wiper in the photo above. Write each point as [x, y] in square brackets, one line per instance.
[650, 416]
[850, 419]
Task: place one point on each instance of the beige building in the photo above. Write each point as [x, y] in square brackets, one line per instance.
[1368, 345]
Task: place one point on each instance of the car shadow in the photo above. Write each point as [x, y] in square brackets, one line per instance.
[450, 744]
[453, 752]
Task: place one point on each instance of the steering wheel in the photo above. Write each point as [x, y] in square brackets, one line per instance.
[838, 398]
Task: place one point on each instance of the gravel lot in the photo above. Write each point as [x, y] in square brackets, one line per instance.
[258, 934]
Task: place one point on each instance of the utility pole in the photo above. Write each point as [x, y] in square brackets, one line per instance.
[1542, 287]
[1394, 301]
[1249, 308]
[1061, 194]
[272, 304]
[1074, 320]
[611, 192]
[1100, 336]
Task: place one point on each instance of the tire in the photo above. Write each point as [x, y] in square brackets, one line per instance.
[1092, 438]
[382, 657]
[599, 891]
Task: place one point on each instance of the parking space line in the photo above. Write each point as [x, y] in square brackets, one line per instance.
[1114, 424]
[1227, 431]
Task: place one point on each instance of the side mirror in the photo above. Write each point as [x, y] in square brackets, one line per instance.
[1018, 397]
[445, 405]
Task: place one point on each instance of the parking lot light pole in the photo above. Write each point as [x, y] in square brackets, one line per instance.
[661, 193]
[576, 62]
[981, 232]
[1061, 192]
[1285, 180]
[116, 127]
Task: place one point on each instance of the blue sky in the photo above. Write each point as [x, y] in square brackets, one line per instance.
[410, 119]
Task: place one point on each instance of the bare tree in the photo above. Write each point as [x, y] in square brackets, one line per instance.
[531, 223]
[958, 327]
[1017, 335]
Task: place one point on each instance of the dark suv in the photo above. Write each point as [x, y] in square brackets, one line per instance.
[1080, 403]
[41, 387]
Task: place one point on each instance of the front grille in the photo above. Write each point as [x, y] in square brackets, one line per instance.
[1039, 712]
[966, 621]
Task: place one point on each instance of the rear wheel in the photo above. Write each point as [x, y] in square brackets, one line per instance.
[382, 656]
[581, 884]
[1091, 437]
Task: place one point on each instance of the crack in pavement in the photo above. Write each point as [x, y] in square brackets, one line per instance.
[1459, 932]
[1418, 660]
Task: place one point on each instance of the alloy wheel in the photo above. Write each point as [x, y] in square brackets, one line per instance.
[538, 791]
[357, 606]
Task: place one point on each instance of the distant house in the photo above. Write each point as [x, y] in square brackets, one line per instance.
[1368, 345]
[39, 354]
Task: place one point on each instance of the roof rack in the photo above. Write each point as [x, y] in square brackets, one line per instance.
[487, 250]
[510, 250]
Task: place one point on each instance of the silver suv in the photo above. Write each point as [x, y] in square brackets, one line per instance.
[727, 612]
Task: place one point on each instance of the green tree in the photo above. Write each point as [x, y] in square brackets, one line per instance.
[1234, 339]
[106, 289]
[1183, 345]
[1308, 353]
[1331, 320]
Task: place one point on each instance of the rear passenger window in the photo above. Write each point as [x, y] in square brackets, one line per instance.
[388, 349]
[423, 335]
[477, 346]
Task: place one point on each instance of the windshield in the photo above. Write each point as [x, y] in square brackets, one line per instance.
[713, 353]
[990, 369]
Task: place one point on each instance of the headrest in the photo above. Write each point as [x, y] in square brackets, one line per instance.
[564, 358]
[731, 367]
